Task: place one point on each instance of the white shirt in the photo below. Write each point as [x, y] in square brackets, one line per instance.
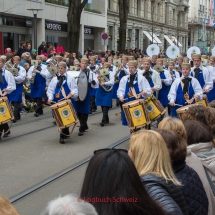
[22, 74]
[111, 79]
[44, 72]
[212, 72]
[173, 90]
[70, 82]
[94, 76]
[206, 75]
[11, 85]
[176, 75]
[155, 78]
[143, 86]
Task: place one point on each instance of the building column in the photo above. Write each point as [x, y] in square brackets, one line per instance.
[162, 39]
[40, 32]
[115, 36]
[81, 40]
[133, 38]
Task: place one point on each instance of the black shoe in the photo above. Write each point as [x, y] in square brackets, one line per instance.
[106, 122]
[81, 133]
[54, 123]
[117, 103]
[14, 120]
[90, 112]
[102, 124]
[61, 140]
[86, 127]
[6, 134]
[41, 113]
[93, 110]
[36, 114]
[26, 108]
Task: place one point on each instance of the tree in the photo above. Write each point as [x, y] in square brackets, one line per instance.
[74, 19]
[123, 17]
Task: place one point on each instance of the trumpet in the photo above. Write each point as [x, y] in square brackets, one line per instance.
[102, 77]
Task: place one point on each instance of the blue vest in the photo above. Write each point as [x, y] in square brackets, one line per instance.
[4, 86]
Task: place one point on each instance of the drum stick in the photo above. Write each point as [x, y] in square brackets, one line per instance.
[132, 97]
[178, 105]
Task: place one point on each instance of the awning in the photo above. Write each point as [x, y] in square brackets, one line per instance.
[169, 40]
[176, 42]
[155, 38]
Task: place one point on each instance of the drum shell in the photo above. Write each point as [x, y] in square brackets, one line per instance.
[6, 113]
[136, 114]
[180, 111]
[64, 114]
[204, 101]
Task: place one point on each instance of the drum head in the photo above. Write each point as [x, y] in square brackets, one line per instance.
[82, 86]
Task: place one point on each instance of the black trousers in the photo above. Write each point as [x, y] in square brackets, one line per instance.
[17, 108]
[39, 108]
[83, 121]
[93, 103]
[65, 131]
[4, 127]
[105, 117]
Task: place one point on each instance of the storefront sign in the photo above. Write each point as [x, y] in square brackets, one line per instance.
[88, 30]
[53, 26]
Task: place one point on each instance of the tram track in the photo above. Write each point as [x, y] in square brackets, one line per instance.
[46, 128]
[31, 190]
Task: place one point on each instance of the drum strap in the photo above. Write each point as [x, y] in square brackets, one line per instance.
[63, 92]
[134, 92]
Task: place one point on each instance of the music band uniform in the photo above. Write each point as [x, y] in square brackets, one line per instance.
[211, 68]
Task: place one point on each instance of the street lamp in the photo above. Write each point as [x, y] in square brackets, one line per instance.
[35, 12]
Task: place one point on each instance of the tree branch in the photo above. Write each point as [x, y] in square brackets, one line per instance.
[83, 4]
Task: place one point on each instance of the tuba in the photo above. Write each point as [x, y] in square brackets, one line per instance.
[116, 78]
[102, 77]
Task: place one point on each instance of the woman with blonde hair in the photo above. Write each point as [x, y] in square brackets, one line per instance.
[192, 160]
[174, 124]
[151, 158]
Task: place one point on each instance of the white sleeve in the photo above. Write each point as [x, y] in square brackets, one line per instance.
[95, 78]
[156, 80]
[22, 75]
[51, 89]
[197, 88]
[144, 86]
[111, 81]
[73, 87]
[173, 90]
[122, 86]
[30, 71]
[126, 71]
[44, 72]
[11, 85]
[208, 79]
[168, 80]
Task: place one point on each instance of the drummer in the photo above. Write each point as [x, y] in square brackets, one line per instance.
[7, 85]
[184, 89]
[132, 82]
[103, 97]
[202, 74]
[83, 107]
[152, 76]
[63, 86]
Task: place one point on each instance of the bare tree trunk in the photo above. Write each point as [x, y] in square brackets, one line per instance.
[123, 17]
[74, 20]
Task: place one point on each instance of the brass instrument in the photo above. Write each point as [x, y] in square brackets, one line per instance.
[116, 78]
[102, 77]
[11, 67]
[52, 66]
[35, 64]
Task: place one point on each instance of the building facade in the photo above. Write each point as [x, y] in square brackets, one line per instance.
[201, 24]
[163, 22]
[16, 23]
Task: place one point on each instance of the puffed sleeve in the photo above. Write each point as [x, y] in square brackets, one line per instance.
[122, 86]
[44, 72]
[156, 80]
[197, 88]
[111, 81]
[144, 85]
[11, 85]
[173, 90]
[22, 75]
[168, 80]
[208, 79]
[30, 71]
[73, 86]
[51, 88]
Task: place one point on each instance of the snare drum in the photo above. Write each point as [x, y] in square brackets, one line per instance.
[64, 114]
[136, 114]
[204, 101]
[6, 114]
[182, 110]
[154, 107]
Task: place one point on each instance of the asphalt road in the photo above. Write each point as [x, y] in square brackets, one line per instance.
[32, 154]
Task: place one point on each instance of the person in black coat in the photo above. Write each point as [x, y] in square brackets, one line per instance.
[42, 47]
[192, 187]
[151, 158]
[22, 48]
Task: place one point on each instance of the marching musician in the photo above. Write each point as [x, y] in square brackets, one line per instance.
[39, 74]
[132, 82]
[184, 89]
[16, 95]
[165, 63]
[211, 68]
[104, 97]
[166, 80]
[154, 60]
[63, 86]
[103, 60]
[174, 74]
[93, 73]
[83, 107]
[202, 74]
[152, 76]
[179, 63]
[7, 85]
[113, 68]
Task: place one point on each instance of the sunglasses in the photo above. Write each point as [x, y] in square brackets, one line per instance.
[107, 149]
